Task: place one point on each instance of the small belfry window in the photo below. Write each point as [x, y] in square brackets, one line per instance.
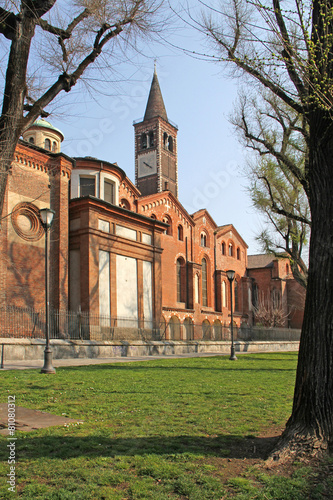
[54, 147]
[204, 282]
[144, 141]
[47, 144]
[170, 144]
[31, 140]
[151, 139]
[165, 140]
[231, 250]
[203, 240]
[238, 254]
[87, 186]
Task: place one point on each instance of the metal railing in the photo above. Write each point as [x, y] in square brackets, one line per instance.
[68, 325]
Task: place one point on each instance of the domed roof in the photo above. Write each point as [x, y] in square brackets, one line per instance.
[45, 124]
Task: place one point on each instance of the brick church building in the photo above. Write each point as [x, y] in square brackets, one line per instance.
[126, 251]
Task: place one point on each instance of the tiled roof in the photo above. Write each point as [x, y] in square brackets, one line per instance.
[155, 105]
[262, 260]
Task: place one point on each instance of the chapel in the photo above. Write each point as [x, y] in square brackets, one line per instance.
[129, 251]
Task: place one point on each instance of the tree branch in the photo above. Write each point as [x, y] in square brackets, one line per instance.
[7, 23]
[256, 74]
[288, 51]
[281, 211]
[37, 8]
[67, 81]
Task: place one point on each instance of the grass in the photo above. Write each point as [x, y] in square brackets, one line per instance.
[159, 429]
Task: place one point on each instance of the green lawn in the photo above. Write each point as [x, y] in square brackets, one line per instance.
[192, 429]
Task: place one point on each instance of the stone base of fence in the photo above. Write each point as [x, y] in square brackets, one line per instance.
[33, 349]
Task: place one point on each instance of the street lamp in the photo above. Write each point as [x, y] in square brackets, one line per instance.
[231, 276]
[46, 216]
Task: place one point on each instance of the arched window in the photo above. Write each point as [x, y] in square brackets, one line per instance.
[217, 327]
[224, 300]
[31, 140]
[54, 147]
[170, 144]
[204, 282]
[231, 250]
[166, 219]
[180, 233]
[206, 330]
[180, 266]
[196, 288]
[151, 139]
[276, 299]
[255, 295]
[223, 248]
[236, 296]
[47, 144]
[165, 140]
[189, 329]
[238, 254]
[153, 216]
[144, 141]
[203, 240]
[174, 328]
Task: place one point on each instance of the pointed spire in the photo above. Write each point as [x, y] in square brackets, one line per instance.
[155, 105]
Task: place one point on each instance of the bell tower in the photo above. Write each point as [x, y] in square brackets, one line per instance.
[156, 167]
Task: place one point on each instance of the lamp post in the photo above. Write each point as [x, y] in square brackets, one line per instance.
[231, 276]
[46, 216]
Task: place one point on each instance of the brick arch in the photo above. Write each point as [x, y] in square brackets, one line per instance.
[204, 232]
[231, 242]
[188, 328]
[174, 326]
[206, 330]
[166, 218]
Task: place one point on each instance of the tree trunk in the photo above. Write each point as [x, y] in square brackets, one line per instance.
[11, 121]
[309, 430]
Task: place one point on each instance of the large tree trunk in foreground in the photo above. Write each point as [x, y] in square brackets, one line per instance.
[11, 120]
[309, 430]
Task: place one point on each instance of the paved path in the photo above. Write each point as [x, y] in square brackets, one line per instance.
[38, 363]
[29, 420]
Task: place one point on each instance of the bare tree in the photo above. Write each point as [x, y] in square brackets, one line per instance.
[269, 310]
[287, 48]
[274, 131]
[50, 45]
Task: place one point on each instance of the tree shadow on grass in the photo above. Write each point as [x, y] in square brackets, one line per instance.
[135, 367]
[66, 447]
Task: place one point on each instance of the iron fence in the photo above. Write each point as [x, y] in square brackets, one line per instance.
[257, 333]
[68, 325]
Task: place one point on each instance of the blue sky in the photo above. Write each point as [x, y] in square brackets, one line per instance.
[198, 96]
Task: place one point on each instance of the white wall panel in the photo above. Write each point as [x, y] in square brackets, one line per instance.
[127, 287]
[74, 280]
[147, 291]
[104, 284]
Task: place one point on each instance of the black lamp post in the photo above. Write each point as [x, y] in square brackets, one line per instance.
[231, 276]
[46, 216]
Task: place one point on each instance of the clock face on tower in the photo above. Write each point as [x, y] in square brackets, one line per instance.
[147, 164]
